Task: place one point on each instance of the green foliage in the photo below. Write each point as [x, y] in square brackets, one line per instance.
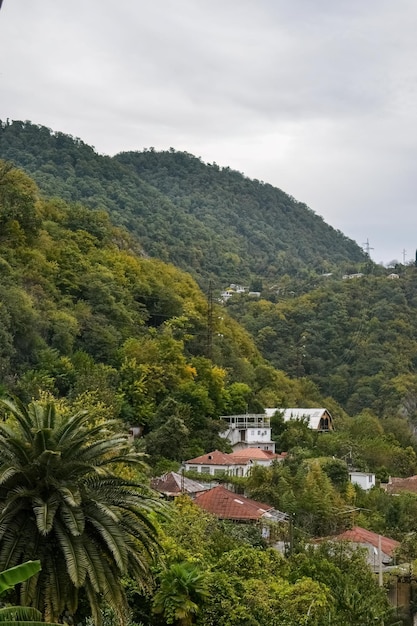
[182, 587]
[355, 339]
[81, 313]
[355, 597]
[64, 503]
[9, 578]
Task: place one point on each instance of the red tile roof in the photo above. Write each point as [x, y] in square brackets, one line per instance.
[361, 535]
[253, 453]
[214, 458]
[228, 505]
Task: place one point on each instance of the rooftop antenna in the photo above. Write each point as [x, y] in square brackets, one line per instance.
[367, 247]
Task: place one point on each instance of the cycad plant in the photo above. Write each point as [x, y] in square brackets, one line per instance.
[64, 502]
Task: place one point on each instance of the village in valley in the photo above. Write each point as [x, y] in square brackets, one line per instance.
[208, 481]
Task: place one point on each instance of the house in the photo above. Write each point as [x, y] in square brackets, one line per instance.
[365, 480]
[225, 295]
[393, 276]
[257, 456]
[397, 485]
[316, 419]
[135, 432]
[238, 463]
[172, 484]
[215, 463]
[380, 549]
[351, 276]
[249, 431]
[225, 504]
[237, 288]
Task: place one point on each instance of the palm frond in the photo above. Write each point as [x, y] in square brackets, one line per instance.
[73, 519]
[45, 512]
[112, 536]
[73, 553]
[19, 412]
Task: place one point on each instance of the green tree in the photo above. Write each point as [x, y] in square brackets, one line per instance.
[183, 586]
[63, 500]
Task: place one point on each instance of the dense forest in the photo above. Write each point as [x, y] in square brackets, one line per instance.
[211, 221]
[355, 338]
[100, 331]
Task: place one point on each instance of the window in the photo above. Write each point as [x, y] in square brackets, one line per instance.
[205, 470]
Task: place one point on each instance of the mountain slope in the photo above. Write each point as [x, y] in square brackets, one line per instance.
[356, 339]
[212, 222]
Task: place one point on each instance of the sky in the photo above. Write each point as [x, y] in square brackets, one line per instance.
[318, 98]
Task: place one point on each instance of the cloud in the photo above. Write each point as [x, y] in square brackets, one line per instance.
[315, 98]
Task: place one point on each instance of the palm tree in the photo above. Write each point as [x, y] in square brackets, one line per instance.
[183, 587]
[63, 502]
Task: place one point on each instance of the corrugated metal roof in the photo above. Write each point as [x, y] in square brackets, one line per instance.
[312, 415]
[172, 484]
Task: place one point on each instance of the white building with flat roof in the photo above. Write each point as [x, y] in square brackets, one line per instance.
[249, 431]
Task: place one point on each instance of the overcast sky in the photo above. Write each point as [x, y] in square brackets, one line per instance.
[317, 97]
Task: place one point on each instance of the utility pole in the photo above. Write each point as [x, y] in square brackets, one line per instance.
[210, 320]
[380, 578]
[404, 255]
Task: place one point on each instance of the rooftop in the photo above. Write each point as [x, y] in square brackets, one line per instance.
[362, 535]
[214, 458]
[227, 505]
[173, 484]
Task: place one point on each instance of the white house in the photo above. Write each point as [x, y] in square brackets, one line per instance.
[237, 463]
[365, 480]
[317, 419]
[249, 431]
[215, 463]
[350, 276]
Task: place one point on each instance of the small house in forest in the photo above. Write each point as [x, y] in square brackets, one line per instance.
[249, 430]
[238, 463]
[172, 484]
[316, 419]
[380, 549]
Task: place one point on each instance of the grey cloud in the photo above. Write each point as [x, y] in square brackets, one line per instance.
[316, 98]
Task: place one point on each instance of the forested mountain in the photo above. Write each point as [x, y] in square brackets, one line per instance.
[355, 338]
[211, 221]
[82, 313]
[89, 321]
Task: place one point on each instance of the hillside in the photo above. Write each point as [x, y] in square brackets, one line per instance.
[356, 339]
[210, 221]
[83, 315]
